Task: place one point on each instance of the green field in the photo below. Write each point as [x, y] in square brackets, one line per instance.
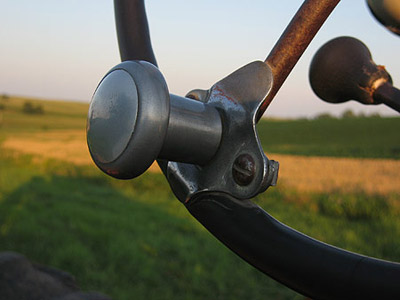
[134, 240]
[372, 137]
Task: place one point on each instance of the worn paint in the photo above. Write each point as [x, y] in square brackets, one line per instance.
[218, 91]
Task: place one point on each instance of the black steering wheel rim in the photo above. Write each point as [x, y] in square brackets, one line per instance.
[310, 267]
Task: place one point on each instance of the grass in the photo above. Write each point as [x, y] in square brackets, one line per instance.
[124, 239]
[57, 115]
[133, 239]
[353, 137]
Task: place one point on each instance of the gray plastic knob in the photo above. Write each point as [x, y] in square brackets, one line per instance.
[133, 120]
[128, 119]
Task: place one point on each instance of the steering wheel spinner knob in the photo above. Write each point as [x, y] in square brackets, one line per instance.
[133, 120]
[129, 111]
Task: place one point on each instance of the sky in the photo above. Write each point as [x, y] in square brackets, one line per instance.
[61, 49]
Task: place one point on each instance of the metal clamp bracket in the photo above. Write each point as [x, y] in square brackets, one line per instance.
[239, 167]
[210, 145]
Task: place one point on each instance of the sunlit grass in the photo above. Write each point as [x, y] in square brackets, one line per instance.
[129, 238]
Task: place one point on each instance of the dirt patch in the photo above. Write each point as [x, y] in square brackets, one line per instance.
[68, 146]
[310, 174]
[325, 174]
[65, 145]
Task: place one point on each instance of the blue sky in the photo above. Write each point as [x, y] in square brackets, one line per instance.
[61, 49]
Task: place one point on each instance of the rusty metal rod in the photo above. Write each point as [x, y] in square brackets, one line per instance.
[294, 41]
[389, 95]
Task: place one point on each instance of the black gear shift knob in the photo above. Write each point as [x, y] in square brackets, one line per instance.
[343, 70]
[387, 12]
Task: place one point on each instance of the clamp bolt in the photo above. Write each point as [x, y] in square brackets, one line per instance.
[243, 169]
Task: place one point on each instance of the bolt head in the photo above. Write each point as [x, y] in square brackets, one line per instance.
[244, 169]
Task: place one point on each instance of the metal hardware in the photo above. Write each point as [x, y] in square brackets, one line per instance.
[194, 132]
[133, 120]
[243, 169]
[237, 97]
[294, 41]
[386, 93]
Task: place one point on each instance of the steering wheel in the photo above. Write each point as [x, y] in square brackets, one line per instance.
[308, 266]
